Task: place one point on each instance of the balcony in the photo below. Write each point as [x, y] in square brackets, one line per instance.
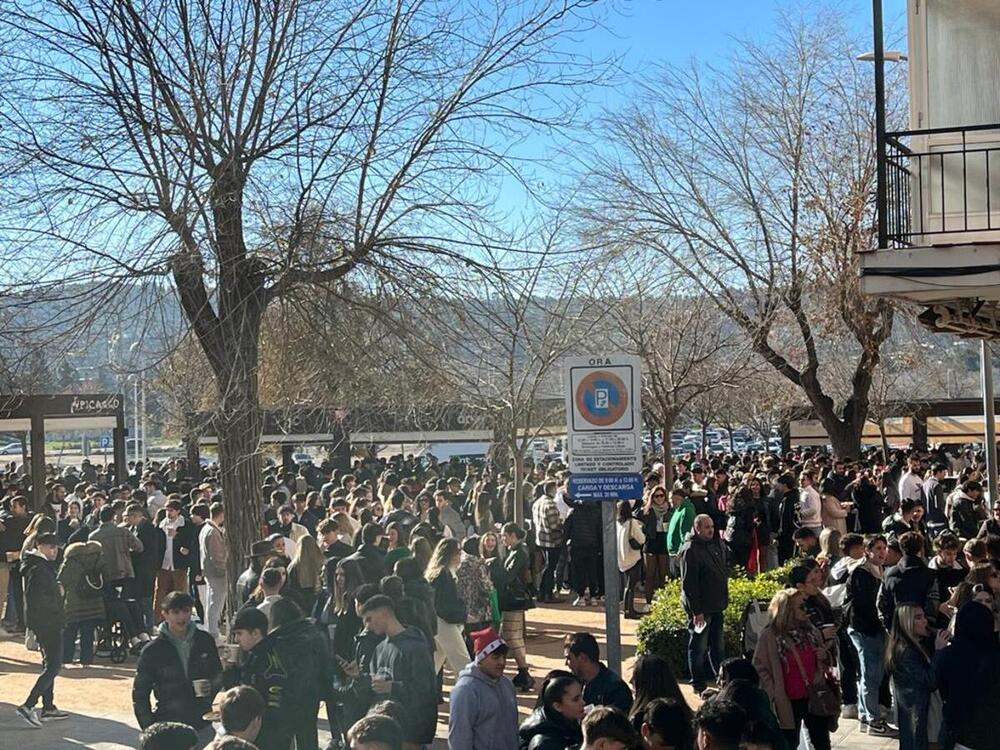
[941, 210]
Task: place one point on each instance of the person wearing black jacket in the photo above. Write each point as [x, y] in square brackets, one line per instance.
[146, 563]
[14, 519]
[45, 616]
[172, 574]
[867, 504]
[583, 535]
[451, 611]
[180, 666]
[866, 631]
[909, 581]
[601, 686]
[704, 596]
[369, 556]
[783, 500]
[402, 669]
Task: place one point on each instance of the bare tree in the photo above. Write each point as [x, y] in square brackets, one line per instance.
[757, 181]
[248, 151]
[497, 337]
[688, 349]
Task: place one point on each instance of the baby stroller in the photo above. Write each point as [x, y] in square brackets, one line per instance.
[120, 627]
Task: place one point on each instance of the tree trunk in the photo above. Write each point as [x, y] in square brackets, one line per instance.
[885, 440]
[238, 429]
[845, 439]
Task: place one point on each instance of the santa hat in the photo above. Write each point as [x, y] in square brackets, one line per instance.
[485, 642]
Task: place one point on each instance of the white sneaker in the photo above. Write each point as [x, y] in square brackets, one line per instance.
[578, 602]
[30, 716]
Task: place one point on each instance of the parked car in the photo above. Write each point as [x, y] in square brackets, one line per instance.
[11, 449]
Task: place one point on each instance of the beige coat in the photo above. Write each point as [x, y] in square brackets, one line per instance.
[212, 546]
[834, 514]
[767, 661]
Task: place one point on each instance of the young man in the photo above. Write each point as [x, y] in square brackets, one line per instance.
[375, 733]
[704, 596]
[45, 617]
[117, 545]
[606, 728]
[180, 666]
[601, 686]
[14, 519]
[173, 572]
[212, 548]
[261, 670]
[271, 582]
[241, 713]
[719, 725]
[810, 503]
[806, 542]
[482, 709]
[910, 510]
[402, 669]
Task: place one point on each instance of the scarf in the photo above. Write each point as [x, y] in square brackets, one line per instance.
[660, 511]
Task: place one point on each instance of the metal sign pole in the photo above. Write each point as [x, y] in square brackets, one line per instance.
[612, 585]
[989, 412]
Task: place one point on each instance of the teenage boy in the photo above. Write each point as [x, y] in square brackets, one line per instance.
[45, 617]
[180, 666]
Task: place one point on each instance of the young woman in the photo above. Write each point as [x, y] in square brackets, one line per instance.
[83, 599]
[451, 612]
[339, 619]
[655, 517]
[475, 588]
[789, 657]
[555, 722]
[652, 679]
[514, 601]
[867, 634]
[909, 664]
[832, 511]
[421, 550]
[829, 549]
[395, 534]
[305, 575]
[630, 541]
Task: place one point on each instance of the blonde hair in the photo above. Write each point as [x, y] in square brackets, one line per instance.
[903, 635]
[780, 612]
[829, 544]
[307, 566]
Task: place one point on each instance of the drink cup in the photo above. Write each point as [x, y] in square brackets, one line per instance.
[202, 688]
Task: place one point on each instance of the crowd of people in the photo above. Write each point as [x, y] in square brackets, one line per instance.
[370, 590]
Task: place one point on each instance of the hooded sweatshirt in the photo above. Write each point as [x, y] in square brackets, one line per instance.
[181, 643]
[407, 660]
[482, 712]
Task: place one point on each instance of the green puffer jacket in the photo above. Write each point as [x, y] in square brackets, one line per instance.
[80, 577]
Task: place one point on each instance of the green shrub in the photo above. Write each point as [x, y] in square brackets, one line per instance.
[664, 630]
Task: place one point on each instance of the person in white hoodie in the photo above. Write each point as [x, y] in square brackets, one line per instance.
[810, 503]
[483, 704]
[631, 539]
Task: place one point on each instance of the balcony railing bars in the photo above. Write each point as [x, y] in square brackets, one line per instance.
[945, 189]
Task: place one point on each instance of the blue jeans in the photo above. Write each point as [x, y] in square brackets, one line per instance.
[86, 628]
[708, 645]
[871, 653]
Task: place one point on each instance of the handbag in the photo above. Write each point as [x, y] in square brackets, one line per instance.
[824, 693]
[633, 543]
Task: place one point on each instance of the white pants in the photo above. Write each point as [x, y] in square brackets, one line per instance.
[215, 602]
[450, 647]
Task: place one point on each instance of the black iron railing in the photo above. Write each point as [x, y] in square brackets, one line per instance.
[946, 188]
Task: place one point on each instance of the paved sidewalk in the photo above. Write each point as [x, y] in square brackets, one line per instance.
[99, 697]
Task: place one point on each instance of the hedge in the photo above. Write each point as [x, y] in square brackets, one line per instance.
[664, 631]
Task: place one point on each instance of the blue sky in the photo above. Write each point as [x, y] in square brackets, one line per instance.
[649, 32]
